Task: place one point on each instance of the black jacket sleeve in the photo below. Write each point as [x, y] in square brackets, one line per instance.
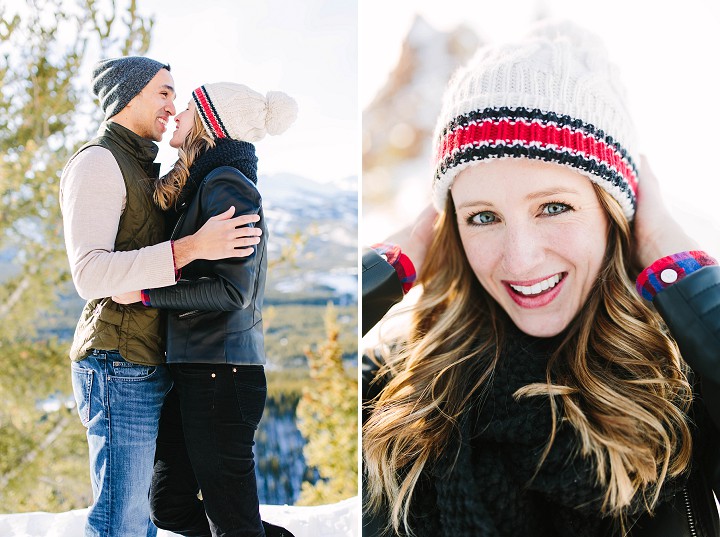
[381, 289]
[691, 310]
[226, 284]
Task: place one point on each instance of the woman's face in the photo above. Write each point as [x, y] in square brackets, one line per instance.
[183, 123]
[535, 235]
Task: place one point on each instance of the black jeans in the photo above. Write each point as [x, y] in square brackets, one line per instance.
[205, 441]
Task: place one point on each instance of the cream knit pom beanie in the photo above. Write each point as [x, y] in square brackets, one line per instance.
[230, 110]
[552, 96]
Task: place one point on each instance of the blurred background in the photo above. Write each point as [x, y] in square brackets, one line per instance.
[667, 57]
[306, 447]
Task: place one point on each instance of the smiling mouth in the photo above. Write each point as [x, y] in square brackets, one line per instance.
[539, 287]
[163, 121]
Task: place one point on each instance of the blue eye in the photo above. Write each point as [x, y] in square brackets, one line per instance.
[483, 218]
[553, 208]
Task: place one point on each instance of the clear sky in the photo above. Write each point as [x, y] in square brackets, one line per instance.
[667, 53]
[307, 49]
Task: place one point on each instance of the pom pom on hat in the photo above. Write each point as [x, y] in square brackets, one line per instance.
[553, 96]
[281, 113]
[115, 81]
[230, 110]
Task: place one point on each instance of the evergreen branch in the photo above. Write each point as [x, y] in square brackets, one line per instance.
[32, 455]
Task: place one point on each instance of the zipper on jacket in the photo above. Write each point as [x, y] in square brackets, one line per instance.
[178, 223]
[689, 512]
[187, 314]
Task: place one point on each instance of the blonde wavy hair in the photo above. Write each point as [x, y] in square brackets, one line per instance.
[169, 186]
[617, 376]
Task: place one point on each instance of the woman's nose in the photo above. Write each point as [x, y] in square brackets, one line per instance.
[523, 250]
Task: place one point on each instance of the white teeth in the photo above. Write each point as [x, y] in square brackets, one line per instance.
[539, 287]
[163, 121]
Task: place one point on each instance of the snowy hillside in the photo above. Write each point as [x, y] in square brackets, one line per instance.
[323, 214]
[335, 520]
[293, 203]
[398, 126]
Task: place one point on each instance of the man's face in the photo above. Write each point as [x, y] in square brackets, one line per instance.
[148, 113]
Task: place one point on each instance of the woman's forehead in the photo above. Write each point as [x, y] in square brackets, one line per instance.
[520, 176]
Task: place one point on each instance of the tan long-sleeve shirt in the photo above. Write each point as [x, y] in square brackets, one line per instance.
[92, 199]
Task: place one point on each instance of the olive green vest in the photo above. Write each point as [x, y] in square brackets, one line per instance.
[136, 331]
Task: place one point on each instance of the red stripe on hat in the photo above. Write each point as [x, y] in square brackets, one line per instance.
[209, 112]
[547, 136]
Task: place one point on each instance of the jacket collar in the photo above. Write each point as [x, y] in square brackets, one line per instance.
[227, 152]
[142, 149]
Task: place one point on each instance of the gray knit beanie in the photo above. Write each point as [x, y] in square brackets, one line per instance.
[117, 80]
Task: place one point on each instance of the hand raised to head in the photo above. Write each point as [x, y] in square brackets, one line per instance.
[415, 239]
[656, 233]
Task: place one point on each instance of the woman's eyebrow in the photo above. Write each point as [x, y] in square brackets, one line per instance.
[551, 192]
[531, 196]
[473, 203]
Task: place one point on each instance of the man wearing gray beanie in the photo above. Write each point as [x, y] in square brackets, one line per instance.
[115, 239]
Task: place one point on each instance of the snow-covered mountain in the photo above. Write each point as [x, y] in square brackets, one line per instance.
[292, 202]
[398, 126]
[324, 216]
[399, 121]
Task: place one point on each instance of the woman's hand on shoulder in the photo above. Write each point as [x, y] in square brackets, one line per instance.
[414, 240]
[656, 233]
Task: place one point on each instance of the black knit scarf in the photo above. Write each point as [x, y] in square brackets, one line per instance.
[489, 484]
[240, 155]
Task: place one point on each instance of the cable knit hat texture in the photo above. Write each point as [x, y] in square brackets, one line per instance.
[552, 96]
[117, 80]
[230, 110]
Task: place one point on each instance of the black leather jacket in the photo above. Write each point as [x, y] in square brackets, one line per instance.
[215, 308]
[691, 310]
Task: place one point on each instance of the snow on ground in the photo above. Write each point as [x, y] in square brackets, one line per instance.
[340, 519]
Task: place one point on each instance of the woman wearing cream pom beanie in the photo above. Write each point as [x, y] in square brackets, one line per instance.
[215, 349]
[512, 406]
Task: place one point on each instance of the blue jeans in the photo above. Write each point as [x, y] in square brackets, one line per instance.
[119, 403]
[206, 439]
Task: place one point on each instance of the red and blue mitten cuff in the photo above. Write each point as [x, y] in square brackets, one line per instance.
[400, 262]
[669, 270]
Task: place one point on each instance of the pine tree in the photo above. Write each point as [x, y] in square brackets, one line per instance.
[328, 419]
[46, 112]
